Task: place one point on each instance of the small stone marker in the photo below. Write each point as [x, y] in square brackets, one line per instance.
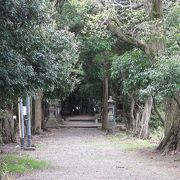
[29, 148]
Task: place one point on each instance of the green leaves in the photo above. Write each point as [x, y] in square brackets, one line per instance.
[139, 77]
[65, 48]
[165, 76]
[33, 52]
[131, 68]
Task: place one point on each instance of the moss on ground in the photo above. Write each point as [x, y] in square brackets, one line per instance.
[128, 142]
[134, 145]
[125, 141]
[16, 164]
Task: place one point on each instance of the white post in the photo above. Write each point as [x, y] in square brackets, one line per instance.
[28, 121]
[21, 122]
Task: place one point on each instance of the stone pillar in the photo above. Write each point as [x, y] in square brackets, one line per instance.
[52, 121]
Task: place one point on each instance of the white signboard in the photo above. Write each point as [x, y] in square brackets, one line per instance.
[24, 111]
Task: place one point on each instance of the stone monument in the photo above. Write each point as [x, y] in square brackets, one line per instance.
[52, 121]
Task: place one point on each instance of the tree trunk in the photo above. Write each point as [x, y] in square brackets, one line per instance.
[43, 122]
[138, 123]
[140, 119]
[105, 103]
[132, 124]
[157, 112]
[171, 141]
[37, 113]
[7, 127]
[153, 48]
[144, 132]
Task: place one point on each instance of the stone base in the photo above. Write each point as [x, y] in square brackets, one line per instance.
[29, 148]
[52, 123]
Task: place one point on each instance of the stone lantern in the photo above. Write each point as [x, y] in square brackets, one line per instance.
[52, 121]
[111, 123]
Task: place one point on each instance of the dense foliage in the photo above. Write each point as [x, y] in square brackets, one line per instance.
[80, 17]
[73, 45]
[132, 69]
[34, 52]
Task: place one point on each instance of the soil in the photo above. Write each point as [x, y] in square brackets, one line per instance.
[88, 154]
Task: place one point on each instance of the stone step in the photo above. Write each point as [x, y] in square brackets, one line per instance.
[73, 124]
[80, 125]
[82, 118]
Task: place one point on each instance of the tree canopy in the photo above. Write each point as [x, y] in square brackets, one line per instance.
[69, 47]
[34, 52]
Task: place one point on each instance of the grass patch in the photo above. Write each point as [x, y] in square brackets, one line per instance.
[16, 164]
[136, 144]
[128, 142]
[123, 141]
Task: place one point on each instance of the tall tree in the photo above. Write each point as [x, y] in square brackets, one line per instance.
[153, 47]
[35, 55]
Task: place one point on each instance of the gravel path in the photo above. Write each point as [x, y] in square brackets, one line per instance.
[88, 154]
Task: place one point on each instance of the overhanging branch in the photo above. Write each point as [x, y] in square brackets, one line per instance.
[128, 4]
[59, 3]
[178, 103]
[157, 112]
[127, 38]
[122, 4]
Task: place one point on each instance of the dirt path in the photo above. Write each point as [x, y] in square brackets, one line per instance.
[88, 154]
